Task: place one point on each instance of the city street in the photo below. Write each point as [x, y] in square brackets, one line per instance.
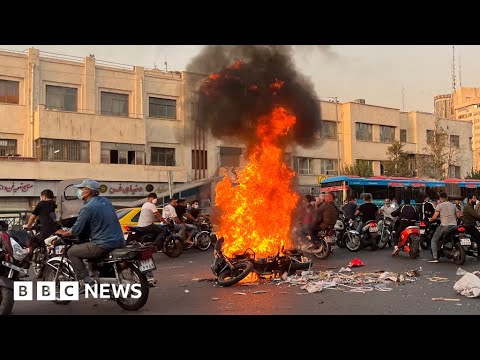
[186, 287]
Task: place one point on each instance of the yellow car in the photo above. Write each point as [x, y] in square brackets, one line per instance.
[130, 216]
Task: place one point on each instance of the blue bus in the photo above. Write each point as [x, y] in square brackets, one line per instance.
[381, 188]
[462, 187]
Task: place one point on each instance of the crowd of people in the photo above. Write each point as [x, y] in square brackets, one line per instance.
[321, 213]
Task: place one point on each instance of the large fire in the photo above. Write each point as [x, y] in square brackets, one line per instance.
[256, 208]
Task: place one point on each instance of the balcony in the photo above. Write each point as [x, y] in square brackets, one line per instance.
[56, 124]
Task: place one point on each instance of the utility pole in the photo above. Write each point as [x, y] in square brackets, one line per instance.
[338, 136]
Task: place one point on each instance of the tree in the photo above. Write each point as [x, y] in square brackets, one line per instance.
[397, 163]
[439, 154]
[474, 174]
[360, 168]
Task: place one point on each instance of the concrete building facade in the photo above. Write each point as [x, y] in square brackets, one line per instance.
[135, 130]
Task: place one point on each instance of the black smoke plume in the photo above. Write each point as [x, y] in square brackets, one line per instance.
[243, 85]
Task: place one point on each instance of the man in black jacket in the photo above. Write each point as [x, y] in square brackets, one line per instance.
[426, 209]
[407, 214]
[470, 217]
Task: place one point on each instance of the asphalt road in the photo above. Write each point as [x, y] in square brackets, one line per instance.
[179, 291]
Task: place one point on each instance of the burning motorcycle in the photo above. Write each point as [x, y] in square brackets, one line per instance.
[230, 271]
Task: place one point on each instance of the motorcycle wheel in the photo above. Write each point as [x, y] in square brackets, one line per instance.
[6, 301]
[353, 242]
[339, 242]
[132, 304]
[232, 276]
[459, 254]
[173, 246]
[67, 274]
[203, 240]
[326, 250]
[414, 247]
[383, 240]
[424, 243]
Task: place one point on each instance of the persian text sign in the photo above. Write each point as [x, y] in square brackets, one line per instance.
[17, 188]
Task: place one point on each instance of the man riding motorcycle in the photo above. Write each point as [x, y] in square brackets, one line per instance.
[470, 217]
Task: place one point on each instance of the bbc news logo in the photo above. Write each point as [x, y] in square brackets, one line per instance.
[69, 290]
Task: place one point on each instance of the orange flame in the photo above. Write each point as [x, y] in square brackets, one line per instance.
[256, 212]
[214, 76]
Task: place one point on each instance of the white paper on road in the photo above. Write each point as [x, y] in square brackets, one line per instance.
[468, 285]
[461, 272]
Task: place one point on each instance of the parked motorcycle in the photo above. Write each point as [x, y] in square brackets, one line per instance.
[450, 245]
[386, 234]
[369, 237]
[16, 249]
[427, 229]
[409, 241]
[122, 266]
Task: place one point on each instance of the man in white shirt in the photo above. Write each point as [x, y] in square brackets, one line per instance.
[148, 214]
[170, 214]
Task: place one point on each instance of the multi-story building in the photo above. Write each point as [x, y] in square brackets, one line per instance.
[443, 107]
[135, 130]
[466, 104]
[366, 131]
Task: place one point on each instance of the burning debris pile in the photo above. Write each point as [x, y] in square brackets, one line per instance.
[351, 282]
[255, 95]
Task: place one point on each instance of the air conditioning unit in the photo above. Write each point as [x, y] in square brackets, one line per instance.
[359, 101]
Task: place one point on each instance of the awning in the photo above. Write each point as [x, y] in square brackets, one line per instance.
[175, 189]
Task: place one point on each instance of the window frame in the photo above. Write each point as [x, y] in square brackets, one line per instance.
[358, 131]
[166, 162]
[384, 139]
[4, 98]
[167, 106]
[112, 100]
[63, 94]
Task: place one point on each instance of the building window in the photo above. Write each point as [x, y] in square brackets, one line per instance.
[455, 140]
[199, 159]
[303, 166]
[230, 156]
[162, 156]
[387, 134]
[9, 92]
[363, 131]
[329, 129]
[365, 164]
[63, 150]
[403, 135]
[162, 108]
[430, 137]
[328, 167]
[61, 98]
[113, 153]
[114, 104]
[454, 171]
[8, 147]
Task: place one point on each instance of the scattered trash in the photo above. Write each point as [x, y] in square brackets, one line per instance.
[308, 272]
[468, 285]
[444, 299]
[356, 263]
[204, 279]
[438, 279]
[284, 276]
[260, 292]
[215, 299]
[461, 272]
[314, 287]
[186, 291]
[345, 270]
[239, 293]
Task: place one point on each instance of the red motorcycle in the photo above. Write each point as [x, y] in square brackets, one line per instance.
[409, 242]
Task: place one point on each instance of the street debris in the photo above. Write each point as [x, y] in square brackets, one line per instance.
[259, 292]
[186, 291]
[461, 272]
[349, 281]
[444, 299]
[239, 293]
[356, 263]
[215, 299]
[438, 279]
[204, 279]
[345, 270]
[468, 285]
